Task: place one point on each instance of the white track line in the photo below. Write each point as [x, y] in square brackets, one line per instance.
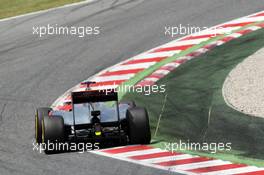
[133, 66]
[169, 158]
[160, 71]
[152, 79]
[47, 10]
[173, 64]
[204, 164]
[157, 54]
[112, 78]
[141, 152]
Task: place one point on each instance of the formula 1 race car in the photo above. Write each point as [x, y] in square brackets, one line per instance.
[95, 116]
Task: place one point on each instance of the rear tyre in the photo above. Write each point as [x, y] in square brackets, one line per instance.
[138, 126]
[40, 113]
[52, 133]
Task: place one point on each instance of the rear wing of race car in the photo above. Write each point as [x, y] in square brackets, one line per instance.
[94, 96]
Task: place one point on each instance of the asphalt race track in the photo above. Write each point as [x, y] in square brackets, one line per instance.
[34, 71]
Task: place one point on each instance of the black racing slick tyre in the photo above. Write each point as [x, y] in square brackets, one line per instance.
[138, 126]
[52, 133]
[40, 113]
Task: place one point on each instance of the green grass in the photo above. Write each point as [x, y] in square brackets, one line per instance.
[193, 89]
[10, 8]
